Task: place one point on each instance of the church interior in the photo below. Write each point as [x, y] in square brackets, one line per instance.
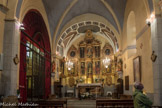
[80, 53]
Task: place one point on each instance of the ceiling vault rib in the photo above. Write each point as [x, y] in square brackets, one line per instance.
[61, 19]
[113, 14]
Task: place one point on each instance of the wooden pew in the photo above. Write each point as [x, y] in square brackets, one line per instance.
[56, 103]
[114, 103]
[156, 106]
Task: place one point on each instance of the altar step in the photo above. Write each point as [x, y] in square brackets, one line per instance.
[81, 103]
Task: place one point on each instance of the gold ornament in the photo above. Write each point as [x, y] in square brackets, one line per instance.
[108, 80]
[71, 82]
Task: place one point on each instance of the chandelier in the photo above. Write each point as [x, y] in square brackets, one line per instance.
[106, 62]
[69, 65]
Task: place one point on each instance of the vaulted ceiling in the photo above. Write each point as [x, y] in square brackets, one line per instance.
[56, 8]
[109, 9]
[61, 13]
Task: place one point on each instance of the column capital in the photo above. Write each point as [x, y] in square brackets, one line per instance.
[11, 20]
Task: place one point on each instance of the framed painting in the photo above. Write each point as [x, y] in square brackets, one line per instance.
[137, 68]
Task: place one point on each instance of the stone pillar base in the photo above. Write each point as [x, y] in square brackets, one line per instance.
[10, 102]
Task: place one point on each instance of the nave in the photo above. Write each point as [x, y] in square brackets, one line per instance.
[103, 53]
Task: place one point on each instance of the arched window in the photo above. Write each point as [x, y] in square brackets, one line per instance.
[131, 34]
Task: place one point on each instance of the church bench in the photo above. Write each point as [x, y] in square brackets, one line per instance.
[111, 103]
[53, 103]
[156, 106]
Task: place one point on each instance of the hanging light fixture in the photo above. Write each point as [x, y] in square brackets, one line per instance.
[69, 65]
[106, 62]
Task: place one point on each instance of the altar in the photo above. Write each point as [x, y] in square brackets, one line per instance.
[93, 90]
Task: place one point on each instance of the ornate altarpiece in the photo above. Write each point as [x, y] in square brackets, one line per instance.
[87, 58]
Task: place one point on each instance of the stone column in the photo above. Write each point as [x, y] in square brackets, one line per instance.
[156, 35]
[10, 74]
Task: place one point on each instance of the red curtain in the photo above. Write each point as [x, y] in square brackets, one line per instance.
[22, 78]
[34, 23]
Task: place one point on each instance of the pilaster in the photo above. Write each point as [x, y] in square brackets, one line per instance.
[10, 74]
[156, 35]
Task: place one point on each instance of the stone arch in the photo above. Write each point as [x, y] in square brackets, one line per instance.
[92, 18]
[34, 42]
[131, 34]
[37, 5]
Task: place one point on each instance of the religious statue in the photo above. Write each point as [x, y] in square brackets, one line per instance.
[82, 68]
[97, 67]
[89, 70]
[81, 52]
[97, 51]
[89, 52]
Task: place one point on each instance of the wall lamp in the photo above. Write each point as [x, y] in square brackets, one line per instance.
[22, 27]
[150, 19]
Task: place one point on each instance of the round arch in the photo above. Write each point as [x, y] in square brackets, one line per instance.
[84, 18]
[36, 5]
[131, 34]
[76, 38]
[35, 58]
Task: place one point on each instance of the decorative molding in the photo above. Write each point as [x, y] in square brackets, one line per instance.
[131, 47]
[10, 20]
[108, 33]
[128, 48]
[142, 32]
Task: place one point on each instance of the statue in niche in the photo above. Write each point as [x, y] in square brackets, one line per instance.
[97, 51]
[73, 70]
[89, 52]
[82, 68]
[81, 52]
[109, 69]
[97, 67]
[89, 69]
